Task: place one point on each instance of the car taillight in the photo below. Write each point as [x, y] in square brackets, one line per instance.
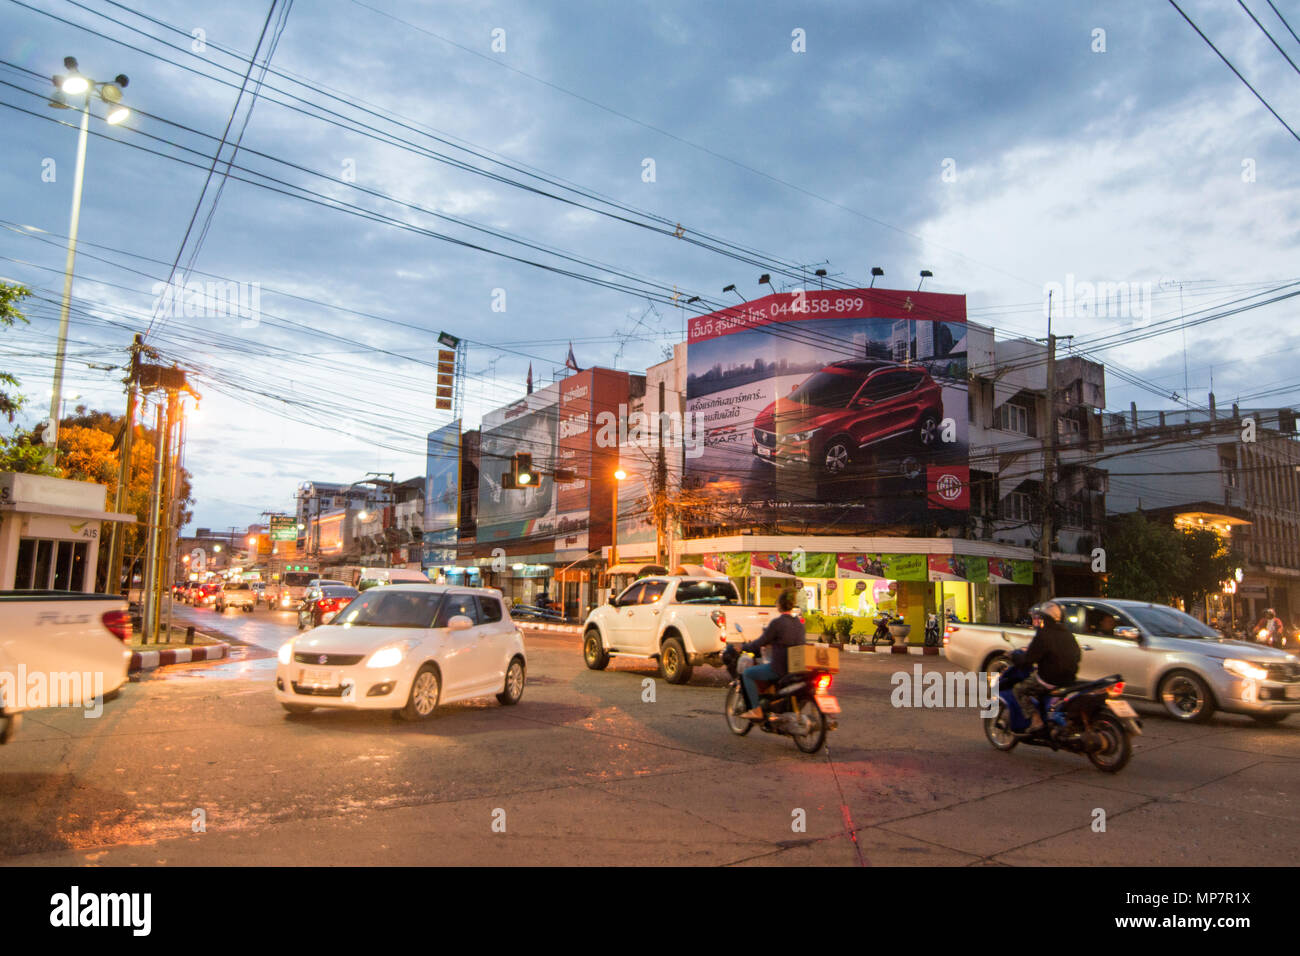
[823, 683]
[1116, 689]
[118, 623]
[950, 629]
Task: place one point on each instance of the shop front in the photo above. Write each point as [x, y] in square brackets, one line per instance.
[860, 584]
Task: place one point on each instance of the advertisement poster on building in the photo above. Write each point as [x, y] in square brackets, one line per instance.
[441, 496]
[843, 407]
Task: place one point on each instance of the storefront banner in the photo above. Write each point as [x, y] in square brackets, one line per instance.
[892, 567]
[947, 567]
[793, 564]
[734, 564]
[1022, 572]
[1001, 571]
[977, 570]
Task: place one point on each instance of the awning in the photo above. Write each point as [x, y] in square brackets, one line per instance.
[54, 511]
[638, 569]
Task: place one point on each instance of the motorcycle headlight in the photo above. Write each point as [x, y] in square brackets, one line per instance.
[1245, 669]
[391, 655]
[286, 652]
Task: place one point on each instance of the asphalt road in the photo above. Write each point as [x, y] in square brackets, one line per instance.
[584, 771]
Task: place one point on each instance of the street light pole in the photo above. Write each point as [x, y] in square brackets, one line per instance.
[60, 352]
[613, 520]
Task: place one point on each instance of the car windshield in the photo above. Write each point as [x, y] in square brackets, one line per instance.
[1168, 622]
[389, 607]
[298, 579]
[706, 592]
[829, 388]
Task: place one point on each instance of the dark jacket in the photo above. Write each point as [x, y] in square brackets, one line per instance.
[1056, 653]
[782, 631]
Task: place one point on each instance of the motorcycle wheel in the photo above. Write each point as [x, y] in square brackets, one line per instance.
[812, 741]
[1119, 748]
[998, 729]
[734, 707]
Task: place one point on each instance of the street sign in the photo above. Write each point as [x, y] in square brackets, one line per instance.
[284, 528]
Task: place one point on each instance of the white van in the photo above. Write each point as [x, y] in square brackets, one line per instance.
[373, 577]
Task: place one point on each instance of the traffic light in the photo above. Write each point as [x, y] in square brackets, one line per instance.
[521, 474]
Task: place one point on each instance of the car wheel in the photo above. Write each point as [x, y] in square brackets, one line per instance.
[593, 651]
[296, 709]
[514, 688]
[927, 433]
[674, 666]
[1268, 720]
[1186, 697]
[425, 691]
[837, 458]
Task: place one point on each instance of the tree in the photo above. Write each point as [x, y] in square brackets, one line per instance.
[1145, 560]
[22, 450]
[1210, 562]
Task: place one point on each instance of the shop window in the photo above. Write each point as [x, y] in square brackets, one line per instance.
[44, 564]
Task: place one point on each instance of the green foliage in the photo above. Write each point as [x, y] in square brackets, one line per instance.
[814, 622]
[1150, 561]
[10, 296]
[1210, 562]
[843, 628]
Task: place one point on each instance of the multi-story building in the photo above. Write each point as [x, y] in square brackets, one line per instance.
[1235, 473]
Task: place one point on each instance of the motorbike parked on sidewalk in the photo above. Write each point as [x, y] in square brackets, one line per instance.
[1082, 718]
[884, 621]
[932, 630]
[797, 706]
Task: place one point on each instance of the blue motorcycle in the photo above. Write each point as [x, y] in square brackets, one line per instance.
[1084, 717]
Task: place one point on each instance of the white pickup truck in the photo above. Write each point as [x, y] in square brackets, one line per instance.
[681, 621]
[60, 649]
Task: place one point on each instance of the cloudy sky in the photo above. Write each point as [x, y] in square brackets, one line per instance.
[1004, 146]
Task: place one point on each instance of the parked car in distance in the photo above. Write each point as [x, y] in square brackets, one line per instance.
[236, 594]
[321, 603]
[406, 648]
[1164, 656]
[679, 620]
[206, 596]
[373, 577]
[829, 421]
[79, 642]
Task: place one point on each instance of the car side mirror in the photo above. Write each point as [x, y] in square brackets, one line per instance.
[459, 623]
[1128, 633]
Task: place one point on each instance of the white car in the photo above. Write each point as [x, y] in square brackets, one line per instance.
[406, 648]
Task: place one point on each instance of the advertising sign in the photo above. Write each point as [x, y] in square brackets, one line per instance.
[284, 528]
[843, 407]
[441, 497]
[889, 567]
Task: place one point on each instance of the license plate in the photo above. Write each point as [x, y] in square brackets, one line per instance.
[1121, 708]
[828, 705]
[1293, 692]
[764, 452]
[315, 678]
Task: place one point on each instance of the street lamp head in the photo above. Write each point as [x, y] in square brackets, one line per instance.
[620, 475]
[117, 115]
[74, 84]
[70, 63]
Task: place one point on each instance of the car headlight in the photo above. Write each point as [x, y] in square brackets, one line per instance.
[391, 655]
[802, 436]
[286, 652]
[1245, 669]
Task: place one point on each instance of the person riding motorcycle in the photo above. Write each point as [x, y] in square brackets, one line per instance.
[782, 632]
[1057, 655]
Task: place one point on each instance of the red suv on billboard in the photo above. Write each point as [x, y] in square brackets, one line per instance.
[830, 418]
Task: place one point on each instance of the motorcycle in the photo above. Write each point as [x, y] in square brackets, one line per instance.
[1081, 718]
[932, 630]
[885, 620]
[797, 706]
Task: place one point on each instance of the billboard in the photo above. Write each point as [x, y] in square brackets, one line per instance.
[561, 426]
[843, 409]
[441, 497]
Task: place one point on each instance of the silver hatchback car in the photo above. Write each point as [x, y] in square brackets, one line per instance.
[1164, 656]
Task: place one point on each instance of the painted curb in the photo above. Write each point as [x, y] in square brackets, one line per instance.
[148, 660]
[916, 650]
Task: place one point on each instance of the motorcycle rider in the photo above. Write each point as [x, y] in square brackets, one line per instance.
[785, 630]
[1057, 655]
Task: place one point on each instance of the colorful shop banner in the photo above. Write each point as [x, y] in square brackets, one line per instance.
[734, 564]
[977, 569]
[1010, 571]
[793, 564]
[947, 567]
[892, 567]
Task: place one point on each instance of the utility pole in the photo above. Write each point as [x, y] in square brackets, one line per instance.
[661, 486]
[117, 533]
[151, 535]
[1048, 581]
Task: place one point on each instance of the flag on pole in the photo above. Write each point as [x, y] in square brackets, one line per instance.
[530, 378]
[570, 361]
